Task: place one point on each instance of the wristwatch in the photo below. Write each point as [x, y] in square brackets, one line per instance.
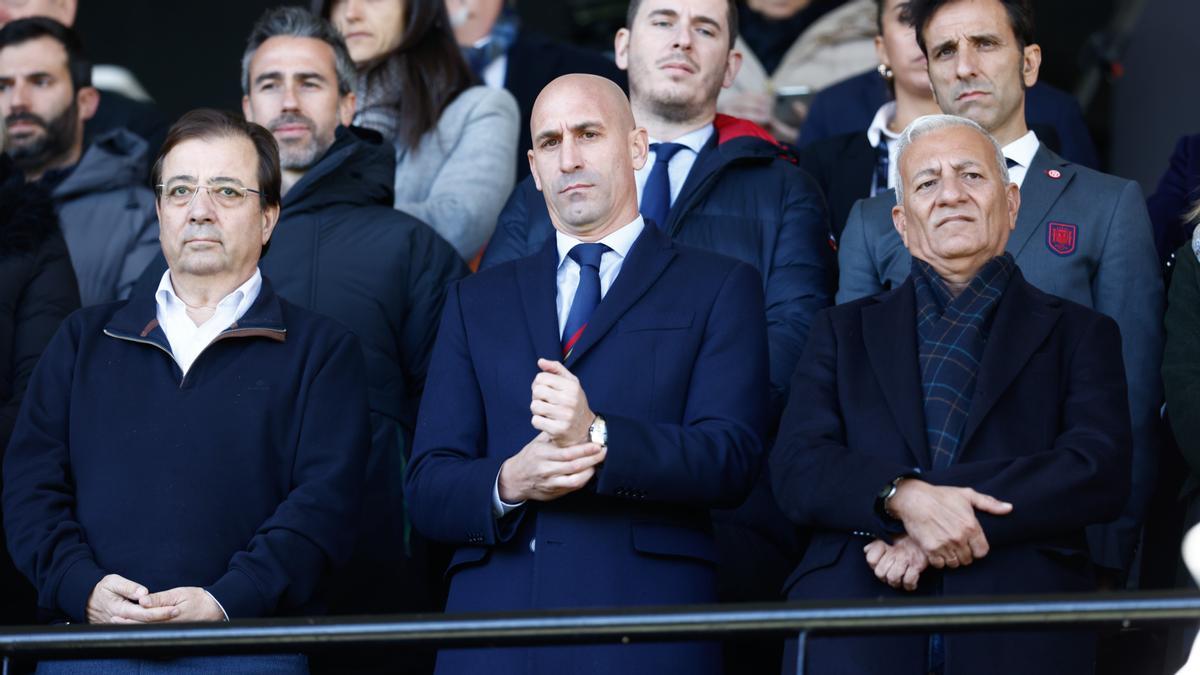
[598, 432]
[888, 491]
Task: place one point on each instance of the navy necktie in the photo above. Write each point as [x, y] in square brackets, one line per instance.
[587, 295]
[656, 195]
[882, 160]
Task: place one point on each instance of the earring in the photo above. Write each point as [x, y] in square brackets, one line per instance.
[885, 72]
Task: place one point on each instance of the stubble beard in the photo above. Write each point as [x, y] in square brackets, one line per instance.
[58, 137]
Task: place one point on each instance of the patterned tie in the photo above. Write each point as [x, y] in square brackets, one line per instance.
[656, 195]
[587, 295]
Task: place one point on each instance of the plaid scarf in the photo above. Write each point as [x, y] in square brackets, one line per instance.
[952, 333]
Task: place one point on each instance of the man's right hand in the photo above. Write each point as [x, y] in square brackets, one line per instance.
[942, 520]
[115, 600]
[542, 471]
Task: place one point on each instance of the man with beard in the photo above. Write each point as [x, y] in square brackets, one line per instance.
[342, 250]
[1082, 235]
[106, 212]
[721, 184]
[124, 104]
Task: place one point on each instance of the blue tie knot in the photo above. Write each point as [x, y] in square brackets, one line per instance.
[587, 255]
[663, 152]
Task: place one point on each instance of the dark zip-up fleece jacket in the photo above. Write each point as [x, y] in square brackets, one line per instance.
[242, 477]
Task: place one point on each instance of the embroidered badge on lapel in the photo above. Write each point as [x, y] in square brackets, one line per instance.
[1060, 238]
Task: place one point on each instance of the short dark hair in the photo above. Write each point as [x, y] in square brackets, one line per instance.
[731, 12]
[23, 30]
[1020, 19]
[299, 23]
[206, 123]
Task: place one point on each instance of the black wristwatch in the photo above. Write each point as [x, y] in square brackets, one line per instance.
[889, 491]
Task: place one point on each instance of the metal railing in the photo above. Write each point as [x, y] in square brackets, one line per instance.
[624, 626]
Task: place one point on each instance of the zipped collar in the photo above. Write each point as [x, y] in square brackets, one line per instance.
[138, 320]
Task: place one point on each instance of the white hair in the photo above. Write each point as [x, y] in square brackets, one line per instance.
[929, 123]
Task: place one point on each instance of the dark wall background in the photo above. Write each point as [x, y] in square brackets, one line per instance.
[188, 55]
[1158, 99]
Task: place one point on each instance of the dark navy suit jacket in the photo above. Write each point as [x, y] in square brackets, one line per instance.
[1048, 430]
[675, 359]
[1175, 196]
[851, 104]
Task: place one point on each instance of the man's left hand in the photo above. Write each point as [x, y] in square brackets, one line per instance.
[559, 406]
[899, 565]
[192, 602]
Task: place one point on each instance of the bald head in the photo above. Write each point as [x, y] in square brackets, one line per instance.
[610, 102]
[586, 148]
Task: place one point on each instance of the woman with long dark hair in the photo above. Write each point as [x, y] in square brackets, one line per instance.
[455, 140]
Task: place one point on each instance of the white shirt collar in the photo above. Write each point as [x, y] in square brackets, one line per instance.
[879, 125]
[241, 298]
[693, 140]
[1023, 149]
[619, 241]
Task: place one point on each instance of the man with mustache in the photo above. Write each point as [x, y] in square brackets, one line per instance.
[342, 250]
[1081, 234]
[587, 406]
[105, 210]
[721, 184]
[956, 435]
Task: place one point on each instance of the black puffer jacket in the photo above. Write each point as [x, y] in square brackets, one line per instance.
[37, 286]
[37, 291]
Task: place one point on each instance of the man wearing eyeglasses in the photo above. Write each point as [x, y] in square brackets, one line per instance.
[105, 209]
[195, 453]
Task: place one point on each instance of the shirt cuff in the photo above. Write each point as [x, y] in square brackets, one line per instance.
[501, 508]
[214, 599]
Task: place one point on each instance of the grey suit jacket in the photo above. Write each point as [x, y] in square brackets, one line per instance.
[1081, 235]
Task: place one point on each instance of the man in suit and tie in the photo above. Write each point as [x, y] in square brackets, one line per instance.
[955, 435]
[644, 366]
[722, 184]
[1080, 234]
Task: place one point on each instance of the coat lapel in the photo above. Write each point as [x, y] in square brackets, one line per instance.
[647, 259]
[1022, 323]
[537, 281]
[890, 333]
[1038, 193]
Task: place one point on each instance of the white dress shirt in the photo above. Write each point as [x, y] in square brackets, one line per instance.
[1021, 151]
[680, 165]
[879, 130]
[187, 339]
[619, 244]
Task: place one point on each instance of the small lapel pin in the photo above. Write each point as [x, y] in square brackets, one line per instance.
[1054, 173]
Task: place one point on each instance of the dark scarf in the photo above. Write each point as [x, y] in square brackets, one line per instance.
[502, 37]
[952, 333]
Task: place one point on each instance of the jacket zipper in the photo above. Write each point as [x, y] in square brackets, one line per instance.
[220, 336]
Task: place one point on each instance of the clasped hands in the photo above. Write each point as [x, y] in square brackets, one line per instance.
[941, 530]
[560, 459]
[118, 600]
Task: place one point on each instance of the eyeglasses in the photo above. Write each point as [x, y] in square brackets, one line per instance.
[182, 194]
